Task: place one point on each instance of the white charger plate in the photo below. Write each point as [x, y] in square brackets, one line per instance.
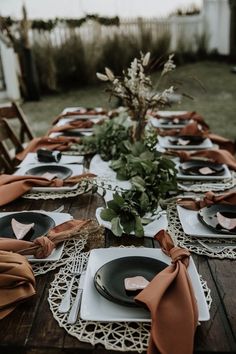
[163, 141]
[95, 307]
[76, 170]
[193, 227]
[59, 218]
[226, 175]
[150, 230]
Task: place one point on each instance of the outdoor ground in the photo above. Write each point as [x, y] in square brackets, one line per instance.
[216, 101]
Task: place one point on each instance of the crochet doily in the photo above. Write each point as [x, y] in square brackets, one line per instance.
[71, 248]
[204, 186]
[82, 188]
[191, 243]
[122, 336]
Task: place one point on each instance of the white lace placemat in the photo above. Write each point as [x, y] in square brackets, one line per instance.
[191, 243]
[82, 188]
[71, 248]
[202, 186]
[122, 336]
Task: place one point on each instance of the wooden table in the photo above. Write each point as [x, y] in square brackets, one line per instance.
[32, 329]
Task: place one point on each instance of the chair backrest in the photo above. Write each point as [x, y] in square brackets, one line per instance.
[9, 144]
[12, 111]
[5, 167]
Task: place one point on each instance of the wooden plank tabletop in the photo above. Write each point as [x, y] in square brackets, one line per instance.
[31, 328]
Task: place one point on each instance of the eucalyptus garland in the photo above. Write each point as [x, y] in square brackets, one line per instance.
[152, 176]
[109, 139]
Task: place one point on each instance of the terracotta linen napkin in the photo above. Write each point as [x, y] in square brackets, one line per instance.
[210, 198]
[43, 246]
[193, 116]
[17, 282]
[12, 186]
[197, 130]
[171, 301]
[214, 155]
[61, 143]
[76, 124]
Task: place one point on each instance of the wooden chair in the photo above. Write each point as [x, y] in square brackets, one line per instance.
[9, 145]
[13, 112]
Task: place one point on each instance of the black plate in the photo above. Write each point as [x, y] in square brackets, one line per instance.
[109, 279]
[43, 223]
[193, 140]
[72, 132]
[208, 217]
[62, 172]
[192, 167]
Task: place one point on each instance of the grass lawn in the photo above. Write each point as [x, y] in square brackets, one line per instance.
[216, 102]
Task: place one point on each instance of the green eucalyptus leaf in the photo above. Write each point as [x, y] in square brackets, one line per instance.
[144, 201]
[114, 206]
[118, 199]
[116, 226]
[108, 214]
[128, 223]
[138, 229]
[138, 183]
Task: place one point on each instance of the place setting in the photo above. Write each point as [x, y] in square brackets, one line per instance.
[45, 156]
[184, 142]
[76, 125]
[47, 238]
[205, 225]
[71, 174]
[112, 279]
[169, 119]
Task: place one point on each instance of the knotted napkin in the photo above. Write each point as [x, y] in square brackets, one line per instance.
[194, 129]
[12, 186]
[43, 246]
[171, 301]
[214, 155]
[75, 124]
[210, 198]
[17, 282]
[60, 143]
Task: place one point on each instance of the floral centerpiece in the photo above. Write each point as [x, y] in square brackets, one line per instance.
[131, 149]
[135, 90]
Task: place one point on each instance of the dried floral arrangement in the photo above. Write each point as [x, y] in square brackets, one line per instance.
[135, 90]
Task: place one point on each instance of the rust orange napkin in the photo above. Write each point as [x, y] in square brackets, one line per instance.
[210, 198]
[61, 143]
[197, 130]
[43, 246]
[17, 282]
[214, 155]
[76, 124]
[12, 186]
[171, 301]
